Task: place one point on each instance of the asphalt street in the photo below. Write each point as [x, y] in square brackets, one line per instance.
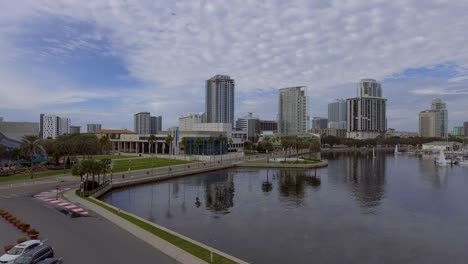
[77, 240]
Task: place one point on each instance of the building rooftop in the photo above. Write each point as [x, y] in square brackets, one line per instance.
[114, 131]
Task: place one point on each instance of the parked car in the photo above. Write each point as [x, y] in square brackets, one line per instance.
[18, 250]
[35, 255]
[51, 261]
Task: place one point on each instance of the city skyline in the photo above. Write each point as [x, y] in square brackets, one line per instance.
[93, 64]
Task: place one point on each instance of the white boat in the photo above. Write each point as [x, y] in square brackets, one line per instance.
[396, 149]
[441, 161]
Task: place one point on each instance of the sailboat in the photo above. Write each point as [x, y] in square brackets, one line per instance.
[441, 161]
[396, 149]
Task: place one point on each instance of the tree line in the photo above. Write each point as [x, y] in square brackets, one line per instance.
[382, 141]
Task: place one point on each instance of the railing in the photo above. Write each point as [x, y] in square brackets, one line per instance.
[81, 193]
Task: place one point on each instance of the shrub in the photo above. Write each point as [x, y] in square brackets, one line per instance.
[32, 231]
[7, 248]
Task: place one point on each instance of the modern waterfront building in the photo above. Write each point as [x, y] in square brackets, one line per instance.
[337, 114]
[366, 113]
[75, 129]
[219, 100]
[439, 105]
[17, 130]
[429, 123]
[293, 111]
[268, 125]
[52, 126]
[93, 128]
[142, 123]
[156, 124]
[336, 132]
[186, 122]
[391, 132]
[458, 131]
[250, 124]
[319, 123]
[434, 122]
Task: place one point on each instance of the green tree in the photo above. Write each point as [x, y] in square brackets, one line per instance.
[105, 167]
[105, 144]
[169, 140]
[78, 170]
[31, 147]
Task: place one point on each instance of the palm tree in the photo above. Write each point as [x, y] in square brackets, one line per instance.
[230, 142]
[78, 170]
[105, 166]
[105, 144]
[151, 141]
[198, 143]
[169, 140]
[30, 147]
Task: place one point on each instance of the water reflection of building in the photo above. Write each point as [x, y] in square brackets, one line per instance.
[220, 194]
[366, 177]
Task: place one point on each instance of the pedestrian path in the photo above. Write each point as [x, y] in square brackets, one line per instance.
[52, 198]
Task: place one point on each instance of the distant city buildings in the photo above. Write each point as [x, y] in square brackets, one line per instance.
[366, 113]
[319, 123]
[93, 128]
[219, 100]
[52, 126]
[250, 124]
[156, 124]
[268, 126]
[434, 122]
[465, 129]
[75, 129]
[336, 132]
[293, 111]
[403, 134]
[337, 114]
[17, 130]
[439, 105]
[458, 131]
[145, 124]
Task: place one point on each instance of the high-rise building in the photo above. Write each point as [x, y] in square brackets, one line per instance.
[93, 128]
[142, 123]
[75, 129]
[465, 129]
[429, 123]
[293, 111]
[366, 113]
[438, 104]
[434, 122]
[156, 124]
[52, 126]
[250, 124]
[268, 125]
[319, 123]
[457, 131]
[186, 122]
[337, 114]
[219, 100]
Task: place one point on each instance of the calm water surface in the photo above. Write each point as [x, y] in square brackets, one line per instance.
[394, 209]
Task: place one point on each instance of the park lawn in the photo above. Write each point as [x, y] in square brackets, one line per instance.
[22, 177]
[145, 163]
[115, 157]
[177, 241]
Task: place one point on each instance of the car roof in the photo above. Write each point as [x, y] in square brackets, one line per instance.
[36, 249]
[28, 243]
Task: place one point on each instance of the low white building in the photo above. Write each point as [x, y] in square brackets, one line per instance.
[437, 146]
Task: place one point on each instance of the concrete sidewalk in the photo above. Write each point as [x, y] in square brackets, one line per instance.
[158, 243]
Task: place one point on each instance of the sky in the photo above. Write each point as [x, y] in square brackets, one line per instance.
[102, 61]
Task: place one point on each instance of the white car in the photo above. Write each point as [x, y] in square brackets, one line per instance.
[18, 250]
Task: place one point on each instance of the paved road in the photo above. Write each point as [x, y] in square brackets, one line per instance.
[78, 240]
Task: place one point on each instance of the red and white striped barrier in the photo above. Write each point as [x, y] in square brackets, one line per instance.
[45, 196]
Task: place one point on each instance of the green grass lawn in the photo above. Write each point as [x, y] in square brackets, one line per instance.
[144, 163]
[27, 176]
[115, 157]
[188, 246]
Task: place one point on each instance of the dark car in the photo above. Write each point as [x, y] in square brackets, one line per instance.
[51, 261]
[35, 255]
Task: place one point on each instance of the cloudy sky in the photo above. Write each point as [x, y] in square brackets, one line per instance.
[101, 61]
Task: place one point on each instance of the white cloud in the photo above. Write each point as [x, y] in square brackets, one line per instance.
[264, 45]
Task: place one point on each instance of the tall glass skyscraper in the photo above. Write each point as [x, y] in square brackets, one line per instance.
[219, 100]
[366, 114]
[293, 111]
[441, 106]
[142, 123]
[337, 114]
